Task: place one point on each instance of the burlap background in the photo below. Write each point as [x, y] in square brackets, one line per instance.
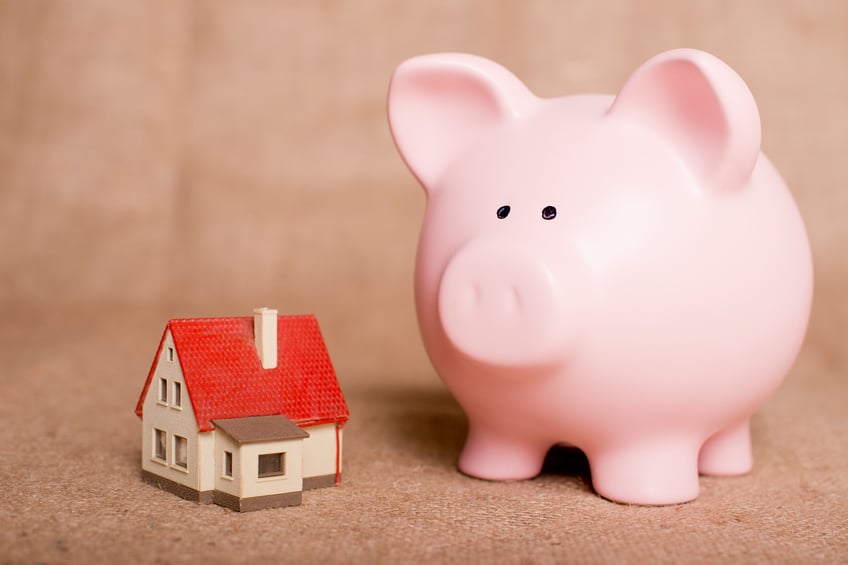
[174, 158]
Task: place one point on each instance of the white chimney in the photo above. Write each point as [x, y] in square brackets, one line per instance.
[265, 332]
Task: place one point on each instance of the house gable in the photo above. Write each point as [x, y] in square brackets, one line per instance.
[171, 445]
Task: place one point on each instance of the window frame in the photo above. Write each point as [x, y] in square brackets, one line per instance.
[227, 465]
[180, 457]
[163, 391]
[177, 392]
[157, 434]
[274, 474]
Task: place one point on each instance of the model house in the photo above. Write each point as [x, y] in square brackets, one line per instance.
[245, 412]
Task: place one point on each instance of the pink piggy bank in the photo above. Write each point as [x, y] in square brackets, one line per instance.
[625, 274]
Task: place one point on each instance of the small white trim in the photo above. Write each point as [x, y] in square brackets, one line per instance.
[271, 479]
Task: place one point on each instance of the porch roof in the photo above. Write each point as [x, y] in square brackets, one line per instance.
[260, 428]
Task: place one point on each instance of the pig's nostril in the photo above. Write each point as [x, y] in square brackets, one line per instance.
[548, 213]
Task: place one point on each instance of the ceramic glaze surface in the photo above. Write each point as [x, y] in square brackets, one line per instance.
[627, 274]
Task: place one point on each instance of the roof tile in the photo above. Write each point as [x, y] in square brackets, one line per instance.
[224, 378]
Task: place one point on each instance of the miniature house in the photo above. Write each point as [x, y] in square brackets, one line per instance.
[243, 412]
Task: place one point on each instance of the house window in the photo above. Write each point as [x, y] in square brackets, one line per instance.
[178, 394]
[272, 465]
[180, 452]
[228, 464]
[159, 439]
[163, 390]
[170, 355]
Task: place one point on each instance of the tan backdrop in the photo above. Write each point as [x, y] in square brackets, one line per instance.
[171, 158]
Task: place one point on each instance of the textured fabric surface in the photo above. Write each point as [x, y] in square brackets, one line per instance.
[177, 158]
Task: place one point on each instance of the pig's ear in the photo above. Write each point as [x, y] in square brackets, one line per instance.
[439, 104]
[702, 107]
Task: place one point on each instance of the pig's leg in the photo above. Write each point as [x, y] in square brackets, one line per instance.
[493, 456]
[728, 452]
[652, 473]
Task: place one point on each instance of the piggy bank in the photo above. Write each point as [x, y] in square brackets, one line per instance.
[626, 274]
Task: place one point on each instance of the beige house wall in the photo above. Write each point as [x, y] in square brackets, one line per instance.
[248, 468]
[230, 485]
[319, 450]
[206, 460]
[174, 421]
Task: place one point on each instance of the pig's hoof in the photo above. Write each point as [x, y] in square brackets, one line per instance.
[650, 477]
[501, 462]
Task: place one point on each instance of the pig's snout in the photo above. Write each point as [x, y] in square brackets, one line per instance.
[506, 305]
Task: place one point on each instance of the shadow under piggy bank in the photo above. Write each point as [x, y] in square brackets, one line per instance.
[431, 426]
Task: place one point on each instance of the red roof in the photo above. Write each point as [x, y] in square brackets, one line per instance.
[224, 378]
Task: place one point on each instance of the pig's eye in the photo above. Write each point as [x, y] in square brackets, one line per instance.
[548, 213]
[503, 212]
